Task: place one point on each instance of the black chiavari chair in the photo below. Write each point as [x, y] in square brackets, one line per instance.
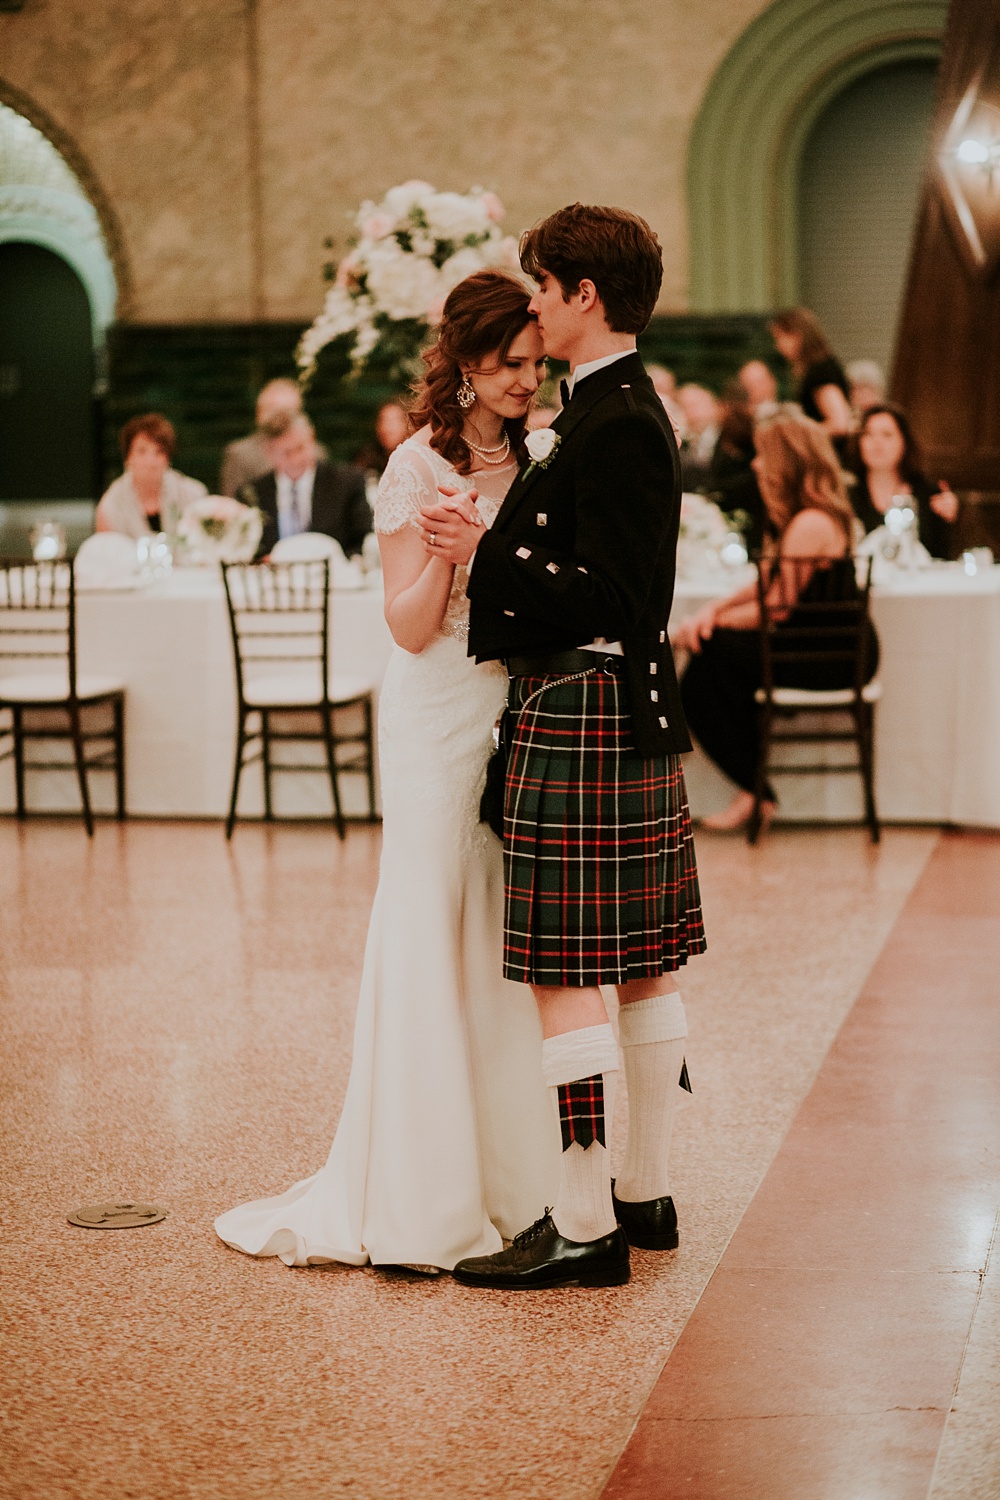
[279, 614]
[41, 689]
[815, 628]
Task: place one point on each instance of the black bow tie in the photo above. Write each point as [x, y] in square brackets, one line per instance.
[565, 394]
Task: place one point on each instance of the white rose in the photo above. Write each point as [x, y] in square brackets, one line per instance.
[401, 285]
[423, 241]
[541, 444]
[455, 269]
[399, 200]
[452, 216]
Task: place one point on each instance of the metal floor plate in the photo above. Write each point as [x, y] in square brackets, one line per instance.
[117, 1215]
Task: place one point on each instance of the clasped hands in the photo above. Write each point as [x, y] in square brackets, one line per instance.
[452, 529]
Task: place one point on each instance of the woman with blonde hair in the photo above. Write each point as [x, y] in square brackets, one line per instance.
[806, 499]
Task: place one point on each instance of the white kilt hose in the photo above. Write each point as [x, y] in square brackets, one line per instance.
[601, 880]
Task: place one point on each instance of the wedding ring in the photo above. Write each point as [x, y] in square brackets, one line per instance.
[433, 538]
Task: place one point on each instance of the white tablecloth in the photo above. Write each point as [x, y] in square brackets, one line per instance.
[171, 645]
[937, 727]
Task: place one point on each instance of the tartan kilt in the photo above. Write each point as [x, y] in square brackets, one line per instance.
[601, 884]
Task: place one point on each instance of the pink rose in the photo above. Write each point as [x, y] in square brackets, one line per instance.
[494, 208]
[347, 272]
[378, 226]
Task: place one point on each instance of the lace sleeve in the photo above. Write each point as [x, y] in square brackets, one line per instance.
[406, 485]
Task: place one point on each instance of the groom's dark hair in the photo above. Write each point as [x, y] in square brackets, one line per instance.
[611, 247]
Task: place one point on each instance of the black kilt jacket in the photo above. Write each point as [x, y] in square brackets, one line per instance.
[587, 547]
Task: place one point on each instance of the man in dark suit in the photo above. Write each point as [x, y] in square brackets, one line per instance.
[304, 493]
[572, 587]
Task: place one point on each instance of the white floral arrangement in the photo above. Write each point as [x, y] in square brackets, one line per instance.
[703, 534]
[216, 529]
[412, 249]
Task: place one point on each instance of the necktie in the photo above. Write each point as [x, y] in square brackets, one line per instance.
[565, 394]
[293, 507]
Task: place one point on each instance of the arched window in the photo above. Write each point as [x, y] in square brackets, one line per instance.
[758, 112]
[59, 296]
[42, 202]
[859, 186]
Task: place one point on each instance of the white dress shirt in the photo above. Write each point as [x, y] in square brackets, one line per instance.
[592, 366]
[289, 524]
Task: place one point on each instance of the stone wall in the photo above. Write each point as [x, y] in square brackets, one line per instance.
[225, 139]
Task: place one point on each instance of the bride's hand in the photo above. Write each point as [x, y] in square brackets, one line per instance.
[464, 502]
[452, 530]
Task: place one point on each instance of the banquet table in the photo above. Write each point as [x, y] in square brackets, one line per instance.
[170, 643]
[937, 726]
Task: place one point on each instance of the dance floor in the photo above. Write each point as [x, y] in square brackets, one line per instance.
[175, 1025]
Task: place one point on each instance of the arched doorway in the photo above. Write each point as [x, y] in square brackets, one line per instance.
[58, 292]
[859, 185]
[46, 378]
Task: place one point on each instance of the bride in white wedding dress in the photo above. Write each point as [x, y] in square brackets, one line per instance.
[446, 1140]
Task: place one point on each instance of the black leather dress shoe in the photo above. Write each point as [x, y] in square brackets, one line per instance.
[540, 1257]
[651, 1225]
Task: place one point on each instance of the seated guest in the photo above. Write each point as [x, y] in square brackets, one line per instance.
[247, 459]
[760, 389]
[888, 466]
[822, 384]
[150, 495]
[702, 424]
[392, 425]
[803, 488]
[304, 493]
[866, 383]
[731, 481]
[665, 386]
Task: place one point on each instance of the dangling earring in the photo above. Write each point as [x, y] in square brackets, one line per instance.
[465, 395]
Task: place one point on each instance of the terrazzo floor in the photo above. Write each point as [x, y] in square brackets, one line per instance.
[175, 1024]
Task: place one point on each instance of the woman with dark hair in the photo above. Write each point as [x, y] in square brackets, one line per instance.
[887, 467]
[822, 384]
[446, 1140]
[731, 481]
[803, 488]
[392, 427]
[150, 495]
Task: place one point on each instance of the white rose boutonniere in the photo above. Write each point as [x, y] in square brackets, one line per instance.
[542, 446]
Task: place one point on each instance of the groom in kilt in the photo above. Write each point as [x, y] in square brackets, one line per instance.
[572, 588]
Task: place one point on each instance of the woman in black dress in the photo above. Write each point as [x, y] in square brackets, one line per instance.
[822, 384]
[806, 499]
[888, 466]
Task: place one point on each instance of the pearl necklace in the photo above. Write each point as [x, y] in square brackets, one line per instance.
[483, 453]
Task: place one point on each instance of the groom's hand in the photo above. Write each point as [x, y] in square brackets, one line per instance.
[452, 529]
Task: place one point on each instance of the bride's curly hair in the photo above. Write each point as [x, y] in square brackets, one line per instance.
[482, 318]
